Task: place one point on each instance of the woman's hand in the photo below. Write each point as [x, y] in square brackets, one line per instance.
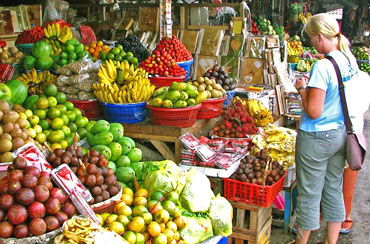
[301, 82]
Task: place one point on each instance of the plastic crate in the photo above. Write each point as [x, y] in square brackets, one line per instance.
[186, 65]
[125, 113]
[160, 81]
[229, 97]
[91, 109]
[211, 108]
[26, 49]
[178, 117]
[253, 194]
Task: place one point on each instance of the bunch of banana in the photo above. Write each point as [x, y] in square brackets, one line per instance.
[294, 49]
[260, 114]
[304, 17]
[35, 82]
[54, 31]
[56, 48]
[120, 72]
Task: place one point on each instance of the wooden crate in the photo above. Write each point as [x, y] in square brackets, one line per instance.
[250, 223]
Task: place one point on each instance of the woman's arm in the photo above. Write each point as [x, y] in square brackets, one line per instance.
[312, 98]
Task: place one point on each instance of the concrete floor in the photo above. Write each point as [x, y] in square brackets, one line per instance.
[360, 233]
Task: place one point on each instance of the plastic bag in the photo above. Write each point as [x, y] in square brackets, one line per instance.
[168, 178]
[85, 86]
[221, 214]
[197, 230]
[54, 10]
[87, 34]
[81, 67]
[77, 79]
[197, 194]
[85, 95]
[64, 71]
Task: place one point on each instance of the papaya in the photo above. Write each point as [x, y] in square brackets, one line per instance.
[116, 150]
[102, 138]
[122, 161]
[135, 155]
[117, 131]
[132, 142]
[100, 126]
[125, 174]
[90, 138]
[103, 150]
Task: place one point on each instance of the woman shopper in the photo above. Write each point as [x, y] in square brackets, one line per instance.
[321, 138]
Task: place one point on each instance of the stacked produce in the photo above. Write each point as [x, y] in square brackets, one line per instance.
[213, 89]
[76, 80]
[55, 34]
[259, 169]
[295, 49]
[40, 58]
[71, 51]
[220, 75]
[35, 82]
[264, 26]
[10, 55]
[260, 114]
[361, 53]
[30, 205]
[30, 36]
[53, 119]
[118, 54]
[163, 64]
[120, 82]
[174, 48]
[178, 95]
[365, 67]
[132, 44]
[92, 172]
[96, 49]
[237, 123]
[279, 143]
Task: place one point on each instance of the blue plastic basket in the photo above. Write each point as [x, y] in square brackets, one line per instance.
[186, 65]
[25, 48]
[229, 97]
[124, 113]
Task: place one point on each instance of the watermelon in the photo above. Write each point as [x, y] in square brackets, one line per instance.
[19, 91]
[43, 63]
[28, 62]
[30, 101]
[41, 49]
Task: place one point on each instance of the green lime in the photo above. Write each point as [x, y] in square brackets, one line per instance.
[54, 137]
[46, 132]
[122, 53]
[69, 139]
[81, 122]
[57, 123]
[53, 113]
[129, 58]
[41, 113]
[130, 54]
[110, 56]
[64, 144]
[64, 55]
[115, 51]
[61, 98]
[70, 48]
[77, 112]
[118, 58]
[62, 108]
[71, 116]
[135, 61]
[72, 56]
[66, 130]
[79, 48]
[119, 46]
[65, 119]
[41, 138]
[44, 124]
[52, 102]
[103, 56]
[63, 61]
[64, 49]
[50, 90]
[73, 127]
[69, 105]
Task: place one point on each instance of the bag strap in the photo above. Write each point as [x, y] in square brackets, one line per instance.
[343, 101]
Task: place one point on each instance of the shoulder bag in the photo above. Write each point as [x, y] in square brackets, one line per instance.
[355, 143]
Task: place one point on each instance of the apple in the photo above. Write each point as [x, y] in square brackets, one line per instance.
[5, 92]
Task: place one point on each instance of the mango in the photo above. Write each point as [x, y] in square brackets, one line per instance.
[181, 86]
[193, 93]
[167, 104]
[173, 96]
[180, 104]
[174, 86]
[100, 126]
[156, 102]
[201, 97]
[103, 150]
[184, 96]
[190, 102]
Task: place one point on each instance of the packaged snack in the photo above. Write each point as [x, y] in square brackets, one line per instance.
[205, 153]
[189, 141]
[188, 151]
[34, 157]
[187, 162]
[231, 149]
[188, 157]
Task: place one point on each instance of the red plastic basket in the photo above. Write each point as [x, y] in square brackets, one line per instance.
[248, 193]
[211, 108]
[178, 117]
[160, 81]
[91, 109]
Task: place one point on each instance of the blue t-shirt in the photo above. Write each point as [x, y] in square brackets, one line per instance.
[323, 76]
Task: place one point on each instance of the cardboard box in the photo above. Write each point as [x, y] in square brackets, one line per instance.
[255, 47]
[231, 65]
[190, 39]
[235, 48]
[203, 63]
[272, 41]
[210, 42]
[251, 71]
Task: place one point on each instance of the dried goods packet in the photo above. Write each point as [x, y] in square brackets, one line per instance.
[62, 80]
[70, 90]
[205, 153]
[189, 141]
[64, 71]
[85, 95]
[81, 67]
[85, 86]
[77, 79]
[72, 97]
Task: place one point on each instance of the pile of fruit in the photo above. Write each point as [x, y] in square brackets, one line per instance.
[35, 82]
[279, 143]
[30, 36]
[120, 82]
[365, 67]
[264, 26]
[132, 44]
[30, 205]
[178, 95]
[295, 49]
[71, 51]
[236, 123]
[56, 35]
[163, 64]
[174, 48]
[260, 114]
[118, 54]
[259, 169]
[213, 89]
[96, 49]
[361, 53]
[10, 55]
[92, 172]
[220, 75]
[40, 58]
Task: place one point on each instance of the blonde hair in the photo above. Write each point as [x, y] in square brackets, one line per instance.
[329, 27]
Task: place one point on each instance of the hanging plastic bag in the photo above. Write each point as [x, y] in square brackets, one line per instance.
[197, 229]
[221, 214]
[54, 10]
[197, 194]
[87, 34]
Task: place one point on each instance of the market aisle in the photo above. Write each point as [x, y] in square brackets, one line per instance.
[360, 213]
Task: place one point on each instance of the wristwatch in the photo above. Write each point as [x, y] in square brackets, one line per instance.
[300, 88]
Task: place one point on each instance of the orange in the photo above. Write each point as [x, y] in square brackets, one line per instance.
[96, 53]
[100, 44]
[104, 47]
[107, 50]
[87, 48]
[98, 48]
[91, 50]
[93, 45]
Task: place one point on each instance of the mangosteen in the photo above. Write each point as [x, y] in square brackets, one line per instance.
[221, 76]
[220, 82]
[216, 67]
[215, 73]
[212, 78]
[206, 74]
[226, 87]
[210, 71]
[243, 177]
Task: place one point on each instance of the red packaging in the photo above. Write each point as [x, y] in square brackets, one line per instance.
[187, 162]
[188, 151]
[83, 207]
[231, 149]
[33, 156]
[224, 161]
[241, 142]
[69, 182]
[188, 157]
[205, 153]
[189, 141]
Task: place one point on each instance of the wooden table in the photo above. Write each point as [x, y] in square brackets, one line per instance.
[158, 135]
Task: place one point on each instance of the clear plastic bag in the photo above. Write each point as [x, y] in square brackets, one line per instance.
[77, 79]
[62, 80]
[55, 9]
[197, 230]
[64, 71]
[81, 67]
[85, 95]
[221, 214]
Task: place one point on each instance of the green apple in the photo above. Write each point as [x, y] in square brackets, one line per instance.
[34, 120]
[28, 112]
[5, 92]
